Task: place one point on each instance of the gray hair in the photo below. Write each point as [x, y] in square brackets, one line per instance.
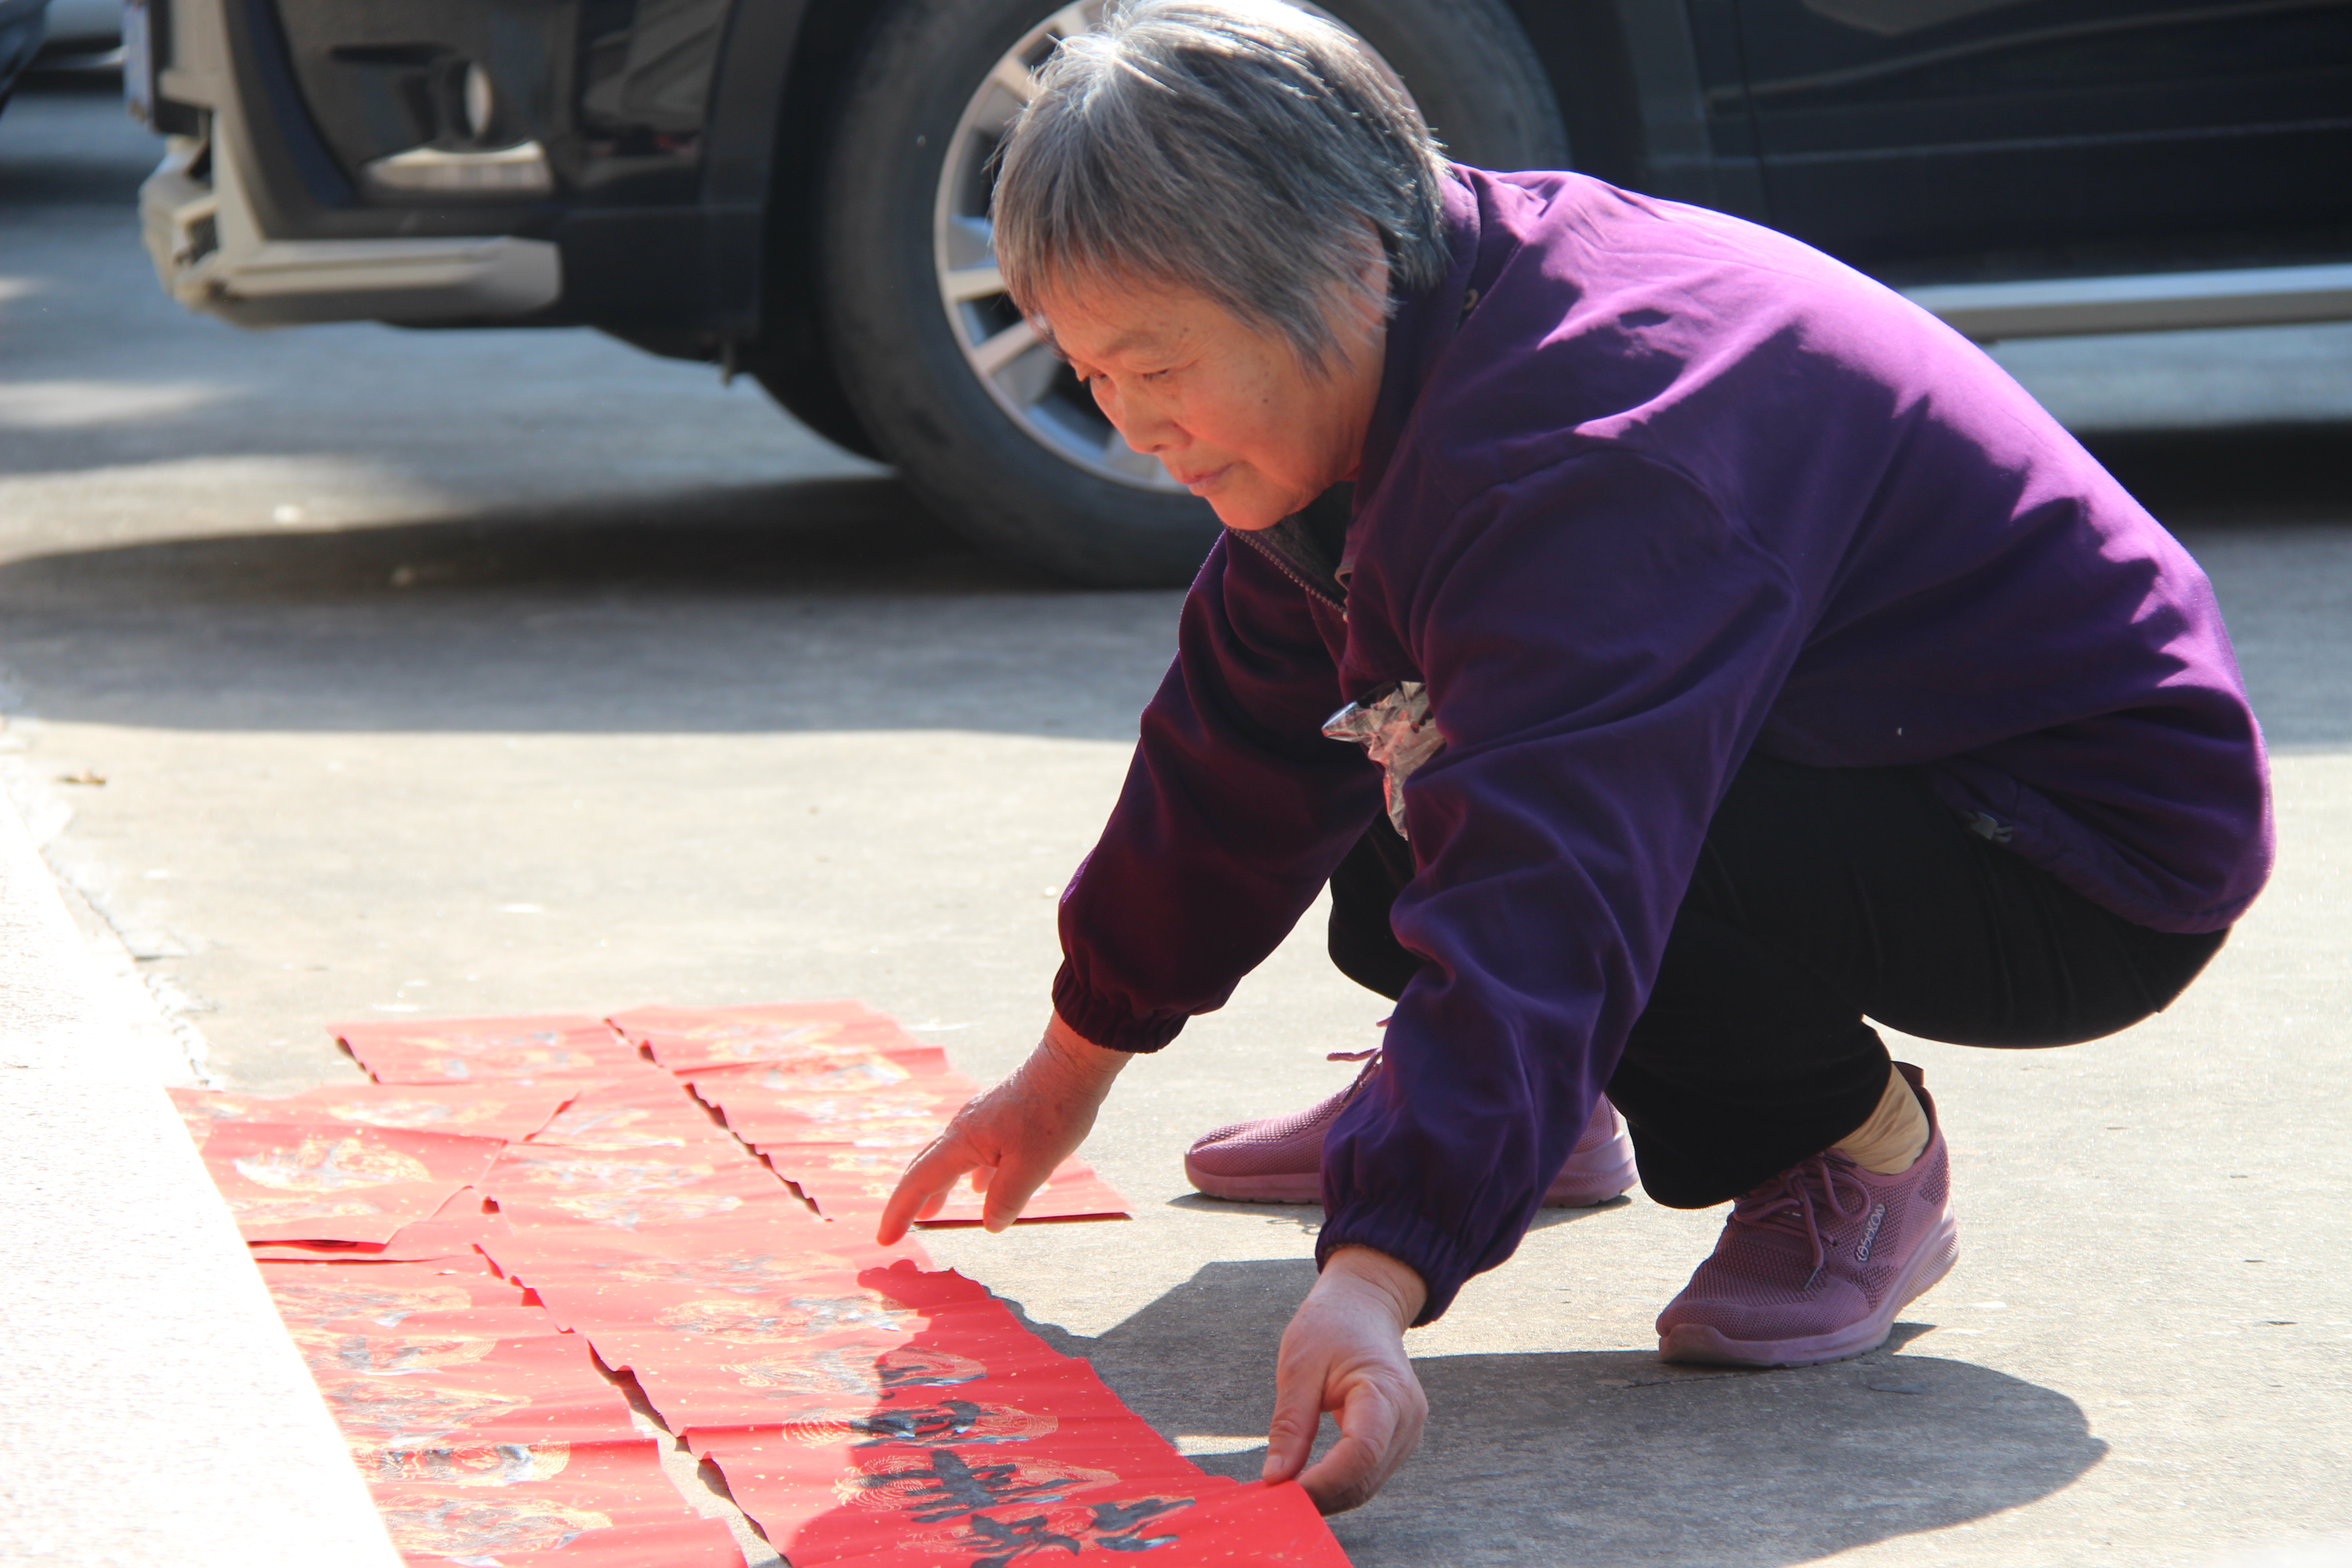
[1242, 148]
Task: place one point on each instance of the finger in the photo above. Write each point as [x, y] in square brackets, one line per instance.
[1009, 1190]
[1352, 1469]
[1298, 1410]
[924, 1188]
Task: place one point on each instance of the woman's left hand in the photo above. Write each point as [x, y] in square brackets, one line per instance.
[1344, 1350]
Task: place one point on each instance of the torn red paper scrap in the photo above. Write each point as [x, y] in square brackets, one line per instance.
[338, 1182]
[548, 1505]
[510, 1112]
[472, 1050]
[682, 1039]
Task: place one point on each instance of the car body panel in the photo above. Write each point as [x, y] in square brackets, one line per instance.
[1897, 132]
[1935, 141]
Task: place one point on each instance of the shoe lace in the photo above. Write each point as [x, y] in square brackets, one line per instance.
[1795, 1201]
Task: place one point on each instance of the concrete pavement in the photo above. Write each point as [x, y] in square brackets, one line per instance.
[455, 673]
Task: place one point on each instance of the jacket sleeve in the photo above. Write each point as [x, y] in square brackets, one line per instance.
[1601, 645]
[1234, 811]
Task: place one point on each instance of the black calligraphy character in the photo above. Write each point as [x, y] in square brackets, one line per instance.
[952, 1485]
[1024, 1536]
[1129, 1520]
[947, 1422]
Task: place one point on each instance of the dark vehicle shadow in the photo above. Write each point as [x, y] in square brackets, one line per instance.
[2250, 474]
[826, 604]
[67, 140]
[1609, 1457]
[839, 605]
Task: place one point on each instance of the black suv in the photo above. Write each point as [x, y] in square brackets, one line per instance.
[799, 189]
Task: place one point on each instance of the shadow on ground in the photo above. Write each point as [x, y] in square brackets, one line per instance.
[838, 604]
[831, 605]
[2263, 473]
[1608, 1457]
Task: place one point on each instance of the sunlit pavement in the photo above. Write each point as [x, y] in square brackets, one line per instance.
[449, 673]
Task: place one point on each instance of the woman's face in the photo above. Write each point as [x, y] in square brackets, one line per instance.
[1228, 408]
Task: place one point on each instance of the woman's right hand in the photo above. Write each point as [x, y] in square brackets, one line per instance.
[1011, 1137]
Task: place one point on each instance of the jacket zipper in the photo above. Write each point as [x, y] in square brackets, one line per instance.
[1283, 565]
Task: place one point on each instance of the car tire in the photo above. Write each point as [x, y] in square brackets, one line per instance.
[984, 467]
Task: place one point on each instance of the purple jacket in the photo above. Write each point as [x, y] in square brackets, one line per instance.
[1647, 486]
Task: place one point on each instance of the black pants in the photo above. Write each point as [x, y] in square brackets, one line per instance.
[1821, 896]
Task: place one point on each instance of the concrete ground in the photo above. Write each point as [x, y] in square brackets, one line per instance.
[359, 671]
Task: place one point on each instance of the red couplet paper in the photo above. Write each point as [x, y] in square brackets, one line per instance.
[626, 1190]
[336, 1182]
[683, 1038]
[853, 1184]
[842, 1132]
[470, 1305]
[449, 1235]
[641, 1110]
[551, 1505]
[487, 1050]
[1210, 1523]
[481, 1429]
[512, 1111]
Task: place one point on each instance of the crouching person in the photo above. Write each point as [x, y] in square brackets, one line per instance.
[1669, 646]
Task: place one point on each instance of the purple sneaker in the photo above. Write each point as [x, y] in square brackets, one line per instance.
[1279, 1158]
[1813, 1265]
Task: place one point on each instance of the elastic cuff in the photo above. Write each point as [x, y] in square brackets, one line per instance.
[1427, 1247]
[1104, 1021]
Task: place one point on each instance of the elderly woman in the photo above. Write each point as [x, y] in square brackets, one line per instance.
[1736, 652]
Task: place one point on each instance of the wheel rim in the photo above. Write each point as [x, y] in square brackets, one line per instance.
[1005, 354]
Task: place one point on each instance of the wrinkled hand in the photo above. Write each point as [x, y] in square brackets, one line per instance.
[1011, 1137]
[1344, 1350]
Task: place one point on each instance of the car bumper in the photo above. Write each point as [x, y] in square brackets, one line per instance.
[212, 255]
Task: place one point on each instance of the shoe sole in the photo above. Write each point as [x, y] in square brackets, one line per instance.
[1710, 1347]
[1586, 1190]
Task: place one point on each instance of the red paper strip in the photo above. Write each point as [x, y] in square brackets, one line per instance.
[511, 1111]
[603, 1505]
[852, 1185]
[642, 1110]
[615, 1279]
[338, 1182]
[866, 1410]
[535, 1186]
[449, 1235]
[483, 1431]
[1212, 1522]
[762, 1104]
[861, 1142]
[683, 1038]
[474, 1051]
